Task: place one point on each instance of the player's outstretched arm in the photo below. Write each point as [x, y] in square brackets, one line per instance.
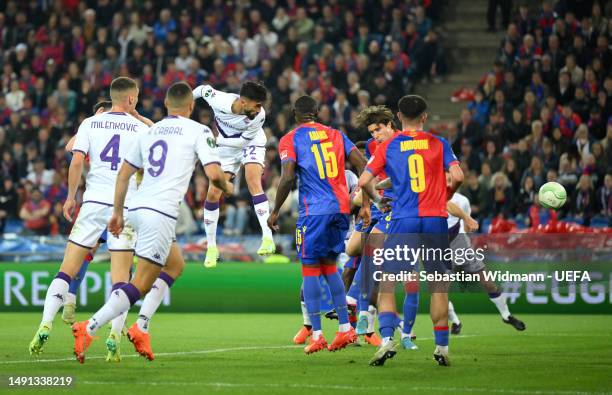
[284, 187]
[74, 176]
[471, 225]
[115, 225]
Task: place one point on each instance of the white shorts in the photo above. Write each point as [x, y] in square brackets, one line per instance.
[91, 222]
[156, 233]
[232, 158]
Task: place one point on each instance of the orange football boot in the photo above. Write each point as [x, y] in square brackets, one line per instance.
[141, 342]
[82, 339]
[303, 335]
[343, 339]
[373, 339]
[316, 345]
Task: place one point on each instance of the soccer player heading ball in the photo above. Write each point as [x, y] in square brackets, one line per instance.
[241, 142]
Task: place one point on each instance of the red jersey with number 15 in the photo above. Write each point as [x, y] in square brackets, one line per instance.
[320, 154]
[416, 163]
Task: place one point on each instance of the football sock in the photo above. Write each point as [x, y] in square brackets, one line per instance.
[336, 287]
[118, 322]
[371, 313]
[411, 305]
[56, 294]
[499, 301]
[312, 295]
[262, 209]
[78, 279]
[211, 219]
[452, 316]
[70, 298]
[441, 337]
[120, 301]
[151, 302]
[387, 323]
[305, 316]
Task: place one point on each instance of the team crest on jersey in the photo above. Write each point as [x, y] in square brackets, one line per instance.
[283, 155]
[211, 142]
[209, 93]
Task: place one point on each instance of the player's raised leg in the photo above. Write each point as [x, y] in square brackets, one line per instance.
[253, 173]
[456, 324]
[70, 304]
[211, 220]
[121, 264]
[139, 331]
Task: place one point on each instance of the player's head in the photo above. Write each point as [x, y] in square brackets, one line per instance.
[305, 109]
[378, 120]
[102, 106]
[412, 110]
[179, 99]
[124, 93]
[252, 95]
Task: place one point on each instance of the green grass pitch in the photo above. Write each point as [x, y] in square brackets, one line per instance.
[253, 353]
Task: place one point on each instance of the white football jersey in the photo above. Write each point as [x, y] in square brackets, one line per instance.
[106, 138]
[234, 130]
[351, 181]
[464, 204]
[168, 152]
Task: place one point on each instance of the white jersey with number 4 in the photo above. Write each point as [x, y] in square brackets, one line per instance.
[167, 153]
[106, 138]
[464, 204]
[235, 130]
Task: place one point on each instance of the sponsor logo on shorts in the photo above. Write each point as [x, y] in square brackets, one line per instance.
[157, 256]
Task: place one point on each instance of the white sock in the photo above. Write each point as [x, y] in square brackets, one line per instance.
[404, 335]
[116, 305]
[316, 335]
[371, 319]
[151, 303]
[70, 298]
[118, 323]
[305, 315]
[452, 316]
[262, 210]
[344, 327]
[211, 219]
[56, 295]
[442, 349]
[351, 300]
[385, 340]
[502, 306]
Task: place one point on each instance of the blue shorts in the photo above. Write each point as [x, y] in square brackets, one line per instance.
[353, 262]
[320, 237]
[429, 234]
[383, 223]
[103, 237]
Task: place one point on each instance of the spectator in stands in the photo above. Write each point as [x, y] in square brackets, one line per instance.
[512, 172]
[39, 176]
[604, 198]
[501, 196]
[526, 196]
[506, 8]
[35, 213]
[492, 158]
[536, 172]
[476, 194]
[8, 202]
[583, 200]
[58, 225]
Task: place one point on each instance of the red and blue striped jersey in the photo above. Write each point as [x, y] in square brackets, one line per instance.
[416, 163]
[320, 154]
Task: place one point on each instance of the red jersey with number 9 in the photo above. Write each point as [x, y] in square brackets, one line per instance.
[416, 163]
[320, 154]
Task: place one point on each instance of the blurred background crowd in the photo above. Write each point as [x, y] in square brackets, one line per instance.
[541, 113]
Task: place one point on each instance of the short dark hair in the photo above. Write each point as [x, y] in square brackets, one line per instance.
[412, 106]
[122, 84]
[254, 91]
[106, 104]
[305, 106]
[179, 94]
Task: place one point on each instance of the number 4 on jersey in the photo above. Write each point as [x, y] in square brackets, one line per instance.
[112, 148]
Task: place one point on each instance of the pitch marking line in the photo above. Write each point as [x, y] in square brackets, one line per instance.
[220, 385]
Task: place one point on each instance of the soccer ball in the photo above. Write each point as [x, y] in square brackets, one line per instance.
[552, 195]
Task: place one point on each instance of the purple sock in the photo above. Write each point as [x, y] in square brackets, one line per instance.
[166, 277]
[132, 293]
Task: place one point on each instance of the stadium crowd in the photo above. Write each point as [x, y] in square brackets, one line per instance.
[59, 57]
[543, 113]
